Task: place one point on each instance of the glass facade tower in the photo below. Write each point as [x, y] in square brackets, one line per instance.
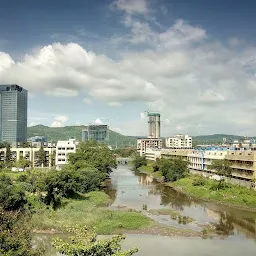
[97, 133]
[13, 113]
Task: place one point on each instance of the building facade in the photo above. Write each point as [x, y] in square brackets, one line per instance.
[144, 144]
[31, 154]
[179, 141]
[63, 148]
[13, 114]
[243, 162]
[153, 125]
[99, 133]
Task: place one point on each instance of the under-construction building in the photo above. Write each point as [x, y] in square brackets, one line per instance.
[153, 125]
[153, 139]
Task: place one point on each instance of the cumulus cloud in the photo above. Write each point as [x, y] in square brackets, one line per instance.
[199, 85]
[60, 121]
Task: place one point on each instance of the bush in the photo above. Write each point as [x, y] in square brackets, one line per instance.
[199, 181]
[12, 196]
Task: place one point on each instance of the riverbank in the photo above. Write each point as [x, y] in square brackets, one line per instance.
[92, 210]
[231, 195]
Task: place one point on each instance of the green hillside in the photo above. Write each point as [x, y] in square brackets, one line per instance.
[67, 132]
[215, 138]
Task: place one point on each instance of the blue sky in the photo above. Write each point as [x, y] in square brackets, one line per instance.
[194, 61]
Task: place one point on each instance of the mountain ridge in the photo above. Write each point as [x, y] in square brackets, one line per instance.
[115, 139]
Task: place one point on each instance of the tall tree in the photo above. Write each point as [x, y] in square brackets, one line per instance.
[8, 155]
[41, 156]
[95, 155]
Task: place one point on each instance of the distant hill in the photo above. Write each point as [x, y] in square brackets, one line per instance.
[67, 132]
[216, 138]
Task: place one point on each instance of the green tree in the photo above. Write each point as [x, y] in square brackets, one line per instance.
[84, 243]
[94, 155]
[12, 196]
[223, 168]
[173, 169]
[41, 156]
[23, 163]
[25, 144]
[139, 161]
[16, 234]
[8, 155]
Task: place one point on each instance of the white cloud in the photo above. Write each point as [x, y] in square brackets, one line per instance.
[132, 6]
[199, 85]
[98, 121]
[60, 121]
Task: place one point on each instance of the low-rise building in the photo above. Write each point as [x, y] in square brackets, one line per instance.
[63, 148]
[179, 141]
[144, 144]
[243, 162]
[31, 154]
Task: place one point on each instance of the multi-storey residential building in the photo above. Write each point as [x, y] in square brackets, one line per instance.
[63, 148]
[144, 144]
[179, 141]
[99, 133]
[13, 114]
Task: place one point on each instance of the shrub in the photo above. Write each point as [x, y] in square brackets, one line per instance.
[199, 181]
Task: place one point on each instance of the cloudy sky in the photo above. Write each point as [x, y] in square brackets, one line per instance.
[108, 61]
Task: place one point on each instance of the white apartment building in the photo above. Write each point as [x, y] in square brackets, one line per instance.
[31, 154]
[63, 148]
[179, 141]
[144, 144]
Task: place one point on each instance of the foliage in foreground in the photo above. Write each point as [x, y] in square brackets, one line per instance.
[84, 243]
[15, 234]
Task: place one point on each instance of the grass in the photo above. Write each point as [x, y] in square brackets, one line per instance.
[231, 194]
[149, 169]
[173, 214]
[91, 212]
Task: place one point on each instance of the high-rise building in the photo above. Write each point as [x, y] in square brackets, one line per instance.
[97, 133]
[13, 113]
[153, 125]
[153, 140]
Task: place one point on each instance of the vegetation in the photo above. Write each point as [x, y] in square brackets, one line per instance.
[67, 132]
[90, 210]
[12, 196]
[16, 235]
[41, 156]
[173, 214]
[84, 242]
[204, 188]
[139, 161]
[125, 152]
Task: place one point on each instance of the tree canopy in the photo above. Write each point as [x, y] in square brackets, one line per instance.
[85, 243]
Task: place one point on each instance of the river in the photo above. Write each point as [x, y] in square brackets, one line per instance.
[238, 227]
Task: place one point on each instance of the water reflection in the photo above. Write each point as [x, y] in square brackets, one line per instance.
[134, 189]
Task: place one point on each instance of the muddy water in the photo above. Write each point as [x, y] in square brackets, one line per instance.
[133, 190]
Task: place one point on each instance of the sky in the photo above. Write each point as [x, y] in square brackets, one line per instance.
[109, 61]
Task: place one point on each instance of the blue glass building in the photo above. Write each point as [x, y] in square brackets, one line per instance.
[13, 113]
